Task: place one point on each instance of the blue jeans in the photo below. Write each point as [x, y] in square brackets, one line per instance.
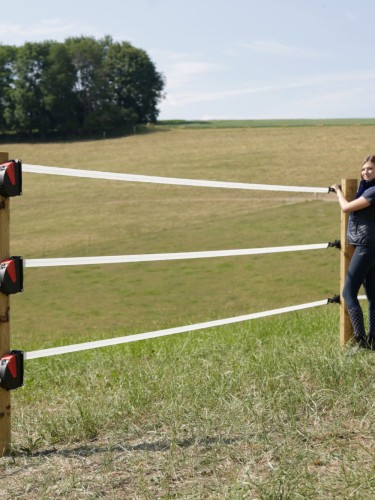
[361, 272]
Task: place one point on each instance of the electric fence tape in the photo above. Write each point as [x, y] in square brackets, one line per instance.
[38, 169]
[93, 174]
[54, 351]
[118, 259]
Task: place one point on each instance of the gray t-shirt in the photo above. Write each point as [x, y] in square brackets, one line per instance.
[361, 226]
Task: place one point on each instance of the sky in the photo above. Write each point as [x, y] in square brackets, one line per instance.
[228, 59]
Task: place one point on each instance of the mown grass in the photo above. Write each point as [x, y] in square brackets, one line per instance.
[270, 408]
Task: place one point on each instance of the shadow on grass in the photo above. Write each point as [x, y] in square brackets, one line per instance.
[157, 446]
[73, 136]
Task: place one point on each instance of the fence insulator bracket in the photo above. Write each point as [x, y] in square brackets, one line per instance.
[334, 300]
[336, 244]
[331, 190]
[11, 370]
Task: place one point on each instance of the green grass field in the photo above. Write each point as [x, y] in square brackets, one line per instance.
[268, 123]
[92, 217]
[270, 408]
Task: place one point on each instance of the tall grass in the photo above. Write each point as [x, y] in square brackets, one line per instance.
[268, 409]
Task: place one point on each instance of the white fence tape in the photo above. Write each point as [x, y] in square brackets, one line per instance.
[71, 261]
[54, 351]
[93, 174]
[118, 259]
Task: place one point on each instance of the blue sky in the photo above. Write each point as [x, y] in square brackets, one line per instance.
[232, 59]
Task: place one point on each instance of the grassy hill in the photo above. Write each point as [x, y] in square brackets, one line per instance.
[270, 408]
[74, 217]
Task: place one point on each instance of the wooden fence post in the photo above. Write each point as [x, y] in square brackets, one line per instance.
[5, 403]
[349, 188]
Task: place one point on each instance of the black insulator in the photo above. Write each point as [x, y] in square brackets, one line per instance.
[334, 300]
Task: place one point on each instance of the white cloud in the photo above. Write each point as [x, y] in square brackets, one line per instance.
[350, 15]
[182, 73]
[182, 69]
[275, 48]
[338, 101]
[46, 29]
[340, 82]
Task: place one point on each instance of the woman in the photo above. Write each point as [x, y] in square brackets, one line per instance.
[361, 234]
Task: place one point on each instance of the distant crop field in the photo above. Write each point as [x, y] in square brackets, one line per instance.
[268, 123]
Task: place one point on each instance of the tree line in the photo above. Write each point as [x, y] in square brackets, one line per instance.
[79, 86]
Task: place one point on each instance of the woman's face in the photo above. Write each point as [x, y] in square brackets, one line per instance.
[368, 171]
